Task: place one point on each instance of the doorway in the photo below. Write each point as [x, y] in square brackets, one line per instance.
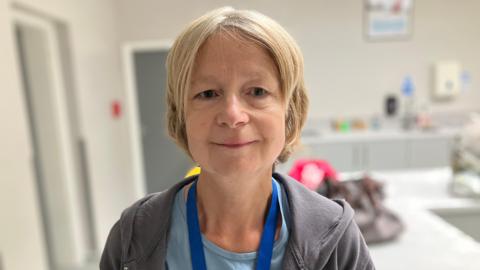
[159, 162]
[58, 149]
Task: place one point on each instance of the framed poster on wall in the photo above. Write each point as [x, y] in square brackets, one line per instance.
[388, 19]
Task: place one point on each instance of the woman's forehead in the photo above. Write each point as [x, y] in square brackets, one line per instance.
[231, 40]
[252, 75]
[225, 53]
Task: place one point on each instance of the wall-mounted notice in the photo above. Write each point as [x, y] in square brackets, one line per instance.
[388, 19]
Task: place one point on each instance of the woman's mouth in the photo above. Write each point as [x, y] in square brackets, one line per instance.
[236, 144]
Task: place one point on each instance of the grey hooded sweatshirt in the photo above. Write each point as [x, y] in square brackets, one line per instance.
[323, 234]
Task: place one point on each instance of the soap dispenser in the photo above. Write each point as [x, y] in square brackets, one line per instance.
[408, 89]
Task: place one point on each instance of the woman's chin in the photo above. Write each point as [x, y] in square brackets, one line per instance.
[236, 169]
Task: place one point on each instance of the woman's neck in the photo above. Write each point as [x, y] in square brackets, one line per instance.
[232, 211]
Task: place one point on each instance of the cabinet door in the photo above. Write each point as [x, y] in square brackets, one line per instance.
[385, 155]
[429, 152]
[341, 155]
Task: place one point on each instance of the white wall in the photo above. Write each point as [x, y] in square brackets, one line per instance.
[97, 75]
[345, 74]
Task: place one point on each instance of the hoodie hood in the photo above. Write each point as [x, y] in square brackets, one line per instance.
[317, 223]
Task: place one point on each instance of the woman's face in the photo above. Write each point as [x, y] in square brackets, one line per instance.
[235, 115]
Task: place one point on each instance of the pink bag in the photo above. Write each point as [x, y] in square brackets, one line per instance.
[312, 172]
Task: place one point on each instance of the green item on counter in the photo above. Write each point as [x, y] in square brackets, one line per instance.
[344, 126]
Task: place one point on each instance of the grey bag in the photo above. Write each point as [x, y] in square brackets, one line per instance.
[377, 223]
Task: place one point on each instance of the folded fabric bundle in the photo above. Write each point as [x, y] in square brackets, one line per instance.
[377, 223]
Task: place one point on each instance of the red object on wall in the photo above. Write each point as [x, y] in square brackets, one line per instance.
[116, 109]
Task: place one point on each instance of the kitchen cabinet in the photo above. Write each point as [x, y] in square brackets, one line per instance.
[429, 152]
[385, 154]
[341, 155]
[355, 156]
[381, 152]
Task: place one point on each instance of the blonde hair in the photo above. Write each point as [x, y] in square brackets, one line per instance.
[255, 27]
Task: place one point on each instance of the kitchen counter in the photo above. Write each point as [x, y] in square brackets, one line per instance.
[428, 242]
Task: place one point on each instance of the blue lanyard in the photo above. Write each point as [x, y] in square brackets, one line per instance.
[264, 254]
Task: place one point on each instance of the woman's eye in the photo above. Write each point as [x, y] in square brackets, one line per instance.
[208, 94]
[258, 92]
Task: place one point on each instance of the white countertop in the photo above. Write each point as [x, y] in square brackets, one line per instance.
[428, 241]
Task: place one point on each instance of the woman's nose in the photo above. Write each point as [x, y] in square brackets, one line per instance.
[232, 113]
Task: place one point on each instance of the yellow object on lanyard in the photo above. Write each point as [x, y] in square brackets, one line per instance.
[194, 171]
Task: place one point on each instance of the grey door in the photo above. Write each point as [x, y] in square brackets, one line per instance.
[164, 162]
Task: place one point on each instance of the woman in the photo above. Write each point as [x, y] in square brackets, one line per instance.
[236, 105]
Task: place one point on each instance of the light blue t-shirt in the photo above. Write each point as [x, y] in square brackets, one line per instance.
[178, 250]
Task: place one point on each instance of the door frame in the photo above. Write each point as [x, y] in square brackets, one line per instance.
[132, 111]
[69, 167]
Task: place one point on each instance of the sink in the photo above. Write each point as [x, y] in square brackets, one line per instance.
[466, 219]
